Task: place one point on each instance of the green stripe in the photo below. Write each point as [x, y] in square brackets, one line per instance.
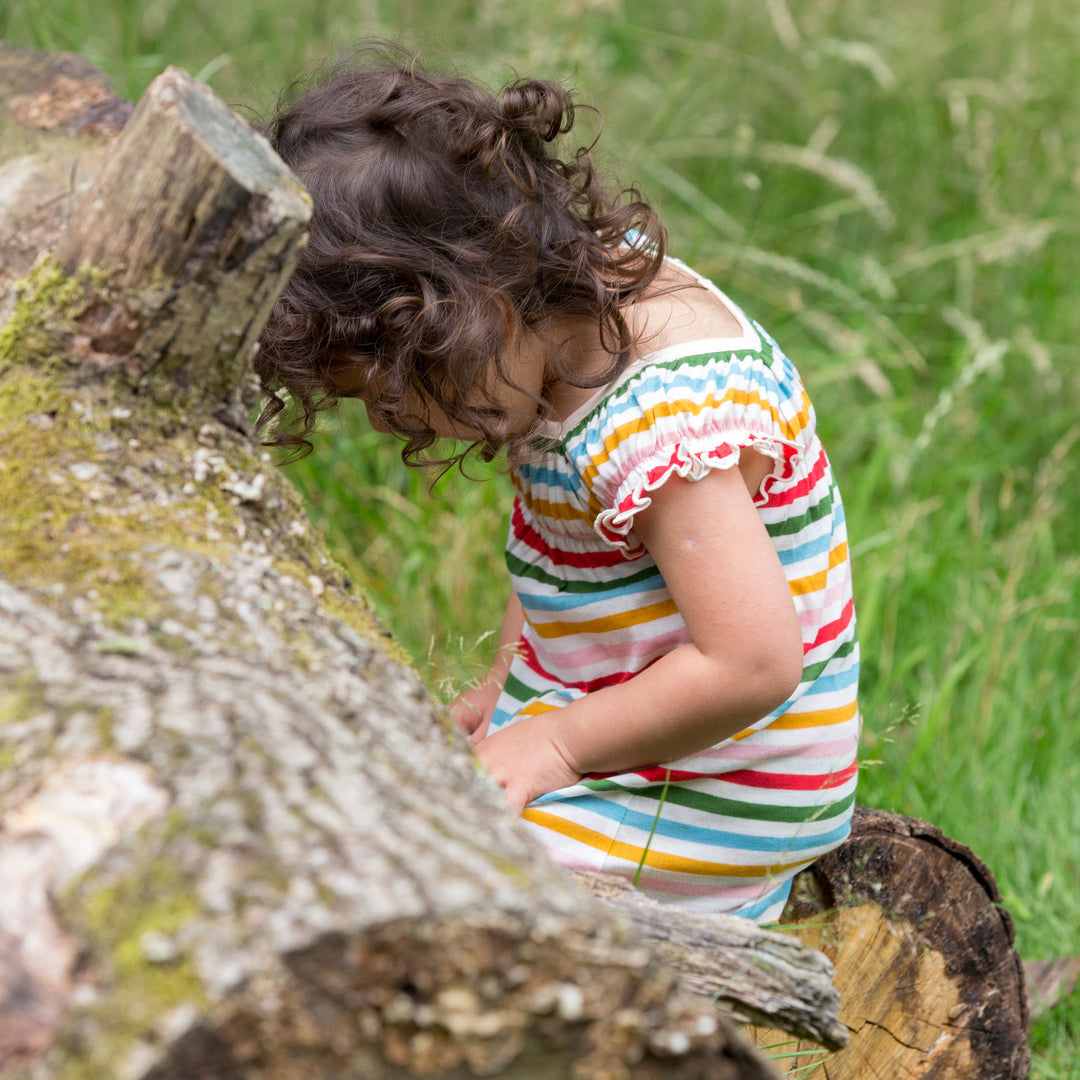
[524, 694]
[791, 525]
[813, 671]
[521, 692]
[520, 568]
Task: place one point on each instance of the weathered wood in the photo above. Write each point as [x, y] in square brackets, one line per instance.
[752, 975]
[196, 224]
[236, 837]
[930, 984]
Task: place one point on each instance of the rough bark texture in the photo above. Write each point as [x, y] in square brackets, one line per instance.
[930, 984]
[752, 975]
[236, 837]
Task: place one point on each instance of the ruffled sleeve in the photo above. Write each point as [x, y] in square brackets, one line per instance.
[685, 418]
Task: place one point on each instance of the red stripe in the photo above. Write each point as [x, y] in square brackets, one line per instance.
[655, 475]
[581, 559]
[752, 778]
[802, 488]
[831, 631]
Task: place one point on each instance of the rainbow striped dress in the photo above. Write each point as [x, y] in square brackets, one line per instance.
[725, 829]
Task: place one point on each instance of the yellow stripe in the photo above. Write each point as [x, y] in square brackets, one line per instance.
[659, 860]
[789, 428]
[538, 707]
[608, 623]
[793, 721]
[557, 511]
[816, 582]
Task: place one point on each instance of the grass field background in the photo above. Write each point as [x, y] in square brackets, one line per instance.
[892, 190]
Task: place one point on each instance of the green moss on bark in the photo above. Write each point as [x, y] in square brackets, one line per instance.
[98, 480]
[122, 925]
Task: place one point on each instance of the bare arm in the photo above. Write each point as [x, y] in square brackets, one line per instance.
[744, 659]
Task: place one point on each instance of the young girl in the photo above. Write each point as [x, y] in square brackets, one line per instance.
[674, 696]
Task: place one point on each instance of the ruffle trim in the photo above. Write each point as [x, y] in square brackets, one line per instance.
[614, 525]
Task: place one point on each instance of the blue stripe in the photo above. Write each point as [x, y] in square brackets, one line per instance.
[779, 895]
[696, 834]
[827, 684]
[821, 546]
[538, 475]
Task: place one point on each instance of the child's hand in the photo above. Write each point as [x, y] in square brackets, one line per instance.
[526, 761]
[472, 710]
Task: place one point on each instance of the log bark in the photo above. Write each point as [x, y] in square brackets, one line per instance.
[237, 838]
[931, 986]
[751, 975]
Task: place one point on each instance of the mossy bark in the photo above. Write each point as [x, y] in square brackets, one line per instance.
[237, 838]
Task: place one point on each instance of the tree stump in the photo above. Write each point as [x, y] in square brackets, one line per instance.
[930, 985]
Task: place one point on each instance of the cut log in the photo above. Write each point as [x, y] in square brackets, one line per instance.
[237, 839]
[196, 222]
[930, 984]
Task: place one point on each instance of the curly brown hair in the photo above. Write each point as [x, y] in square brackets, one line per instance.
[442, 226]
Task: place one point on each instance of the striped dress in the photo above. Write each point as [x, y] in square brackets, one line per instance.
[725, 829]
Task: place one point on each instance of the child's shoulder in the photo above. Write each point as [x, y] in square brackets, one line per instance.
[682, 317]
[683, 307]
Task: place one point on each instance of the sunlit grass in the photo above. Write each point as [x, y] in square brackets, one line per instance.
[892, 190]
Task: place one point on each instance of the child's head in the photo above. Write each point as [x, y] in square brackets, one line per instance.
[442, 228]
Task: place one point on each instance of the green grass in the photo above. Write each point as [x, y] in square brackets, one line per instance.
[892, 190]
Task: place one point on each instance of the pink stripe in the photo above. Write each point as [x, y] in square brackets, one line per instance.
[571, 662]
[533, 663]
[737, 894]
[832, 599]
[749, 750]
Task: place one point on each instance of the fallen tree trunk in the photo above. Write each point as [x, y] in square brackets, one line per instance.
[236, 838]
